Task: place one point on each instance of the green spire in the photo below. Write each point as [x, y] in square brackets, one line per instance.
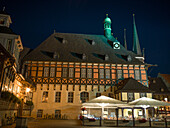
[136, 45]
[125, 44]
[107, 27]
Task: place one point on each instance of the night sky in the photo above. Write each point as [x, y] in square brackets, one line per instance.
[35, 20]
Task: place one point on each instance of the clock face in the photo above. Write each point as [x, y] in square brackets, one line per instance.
[116, 45]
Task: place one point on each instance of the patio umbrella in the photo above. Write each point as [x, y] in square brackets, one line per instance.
[148, 102]
[103, 101]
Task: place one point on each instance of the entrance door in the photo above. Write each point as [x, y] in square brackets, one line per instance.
[58, 114]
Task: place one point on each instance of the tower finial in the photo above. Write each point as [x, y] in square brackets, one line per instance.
[54, 30]
[136, 45]
[125, 43]
[106, 15]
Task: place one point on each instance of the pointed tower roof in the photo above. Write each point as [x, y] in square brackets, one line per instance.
[125, 43]
[136, 46]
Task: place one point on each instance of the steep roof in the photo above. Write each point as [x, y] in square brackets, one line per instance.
[70, 47]
[166, 77]
[131, 85]
[157, 85]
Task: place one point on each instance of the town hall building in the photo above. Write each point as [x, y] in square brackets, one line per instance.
[70, 69]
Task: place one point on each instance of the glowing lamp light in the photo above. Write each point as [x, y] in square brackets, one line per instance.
[28, 89]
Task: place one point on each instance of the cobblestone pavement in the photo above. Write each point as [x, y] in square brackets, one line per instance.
[58, 124]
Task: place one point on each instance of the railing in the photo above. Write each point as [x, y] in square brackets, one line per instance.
[122, 122]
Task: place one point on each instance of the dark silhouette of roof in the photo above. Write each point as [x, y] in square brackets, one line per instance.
[131, 85]
[70, 48]
[157, 85]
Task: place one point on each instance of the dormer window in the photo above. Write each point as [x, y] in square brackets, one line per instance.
[84, 56]
[162, 90]
[55, 55]
[154, 81]
[92, 42]
[106, 57]
[64, 41]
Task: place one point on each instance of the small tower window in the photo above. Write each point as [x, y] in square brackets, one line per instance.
[2, 21]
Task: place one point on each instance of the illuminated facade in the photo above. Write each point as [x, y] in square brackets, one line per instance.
[10, 47]
[69, 69]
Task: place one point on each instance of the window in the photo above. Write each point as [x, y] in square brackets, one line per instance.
[9, 45]
[137, 75]
[64, 72]
[119, 74]
[101, 73]
[45, 97]
[58, 73]
[110, 95]
[89, 73]
[142, 95]
[107, 73]
[77, 72]
[2, 21]
[40, 71]
[39, 113]
[130, 97]
[84, 96]
[52, 72]
[98, 94]
[46, 71]
[83, 73]
[57, 97]
[70, 97]
[95, 73]
[71, 72]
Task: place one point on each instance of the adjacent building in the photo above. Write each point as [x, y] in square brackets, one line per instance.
[10, 78]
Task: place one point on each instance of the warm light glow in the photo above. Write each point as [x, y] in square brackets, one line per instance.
[166, 99]
[103, 104]
[28, 89]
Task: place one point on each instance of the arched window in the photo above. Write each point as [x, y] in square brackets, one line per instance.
[84, 96]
